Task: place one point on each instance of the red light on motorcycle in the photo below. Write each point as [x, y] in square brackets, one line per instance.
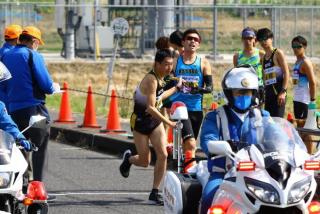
[36, 191]
[246, 166]
[27, 201]
[314, 207]
[312, 165]
[216, 209]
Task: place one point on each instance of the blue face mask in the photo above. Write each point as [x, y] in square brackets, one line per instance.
[242, 102]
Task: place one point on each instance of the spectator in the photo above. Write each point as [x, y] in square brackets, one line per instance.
[275, 72]
[26, 92]
[11, 36]
[304, 84]
[175, 41]
[196, 71]
[147, 122]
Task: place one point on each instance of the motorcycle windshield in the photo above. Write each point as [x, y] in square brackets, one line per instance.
[6, 142]
[276, 139]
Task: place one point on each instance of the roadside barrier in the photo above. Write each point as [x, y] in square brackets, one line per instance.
[65, 115]
[90, 120]
[113, 120]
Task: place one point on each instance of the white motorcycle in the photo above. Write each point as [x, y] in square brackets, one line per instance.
[12, 168]
[273, 175]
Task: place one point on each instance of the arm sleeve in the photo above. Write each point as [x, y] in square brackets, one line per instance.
[7, 124]
[209, 131]
[207, 79]
[41, 73]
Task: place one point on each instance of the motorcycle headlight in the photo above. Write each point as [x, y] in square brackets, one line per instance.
[263, 191]
[299, 190]
[5, 178]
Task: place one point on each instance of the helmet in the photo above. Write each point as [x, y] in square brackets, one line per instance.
[178, 111]
[243, 77]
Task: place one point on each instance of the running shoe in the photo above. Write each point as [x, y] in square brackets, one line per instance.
[125, 165]
[155, 198]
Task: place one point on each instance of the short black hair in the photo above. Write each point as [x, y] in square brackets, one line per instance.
[176, 38]
[264, 33]
[162, 54]
[162, 43]
[25, 38]
[301, 40]
[189, 31]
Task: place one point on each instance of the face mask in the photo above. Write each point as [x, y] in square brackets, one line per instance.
[242, 102]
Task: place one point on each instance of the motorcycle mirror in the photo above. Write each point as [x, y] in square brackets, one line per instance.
[37, 121]
[219, 148]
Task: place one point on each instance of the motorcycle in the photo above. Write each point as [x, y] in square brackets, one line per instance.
[269, 171]
[13, 166]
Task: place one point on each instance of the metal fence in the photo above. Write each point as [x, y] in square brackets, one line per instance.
[219, 25]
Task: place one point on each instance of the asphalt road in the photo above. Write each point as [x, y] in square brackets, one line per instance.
[89, 182]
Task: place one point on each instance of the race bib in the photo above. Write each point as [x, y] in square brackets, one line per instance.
[270, 76]
[295, 78]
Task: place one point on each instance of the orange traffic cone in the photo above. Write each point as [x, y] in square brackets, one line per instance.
[89, 119]
[170, 135]
[290, 117]
[65, 115]
[113, 122]
[214, 106]
[188, 160]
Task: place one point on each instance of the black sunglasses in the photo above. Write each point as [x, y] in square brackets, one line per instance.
[296, 46]
[263, 39]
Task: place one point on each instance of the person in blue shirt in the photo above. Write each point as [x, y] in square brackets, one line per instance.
[196, 72]
[11, 36]
[27, 91]
[240, 86]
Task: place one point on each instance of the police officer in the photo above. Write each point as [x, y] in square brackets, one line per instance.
[26, 92]
[240, 86]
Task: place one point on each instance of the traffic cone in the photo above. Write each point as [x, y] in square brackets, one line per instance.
[290, 117]
[170, 135]
[65, 115]
[113, 121]
[188, 160]
[214, 106]
[89, 120]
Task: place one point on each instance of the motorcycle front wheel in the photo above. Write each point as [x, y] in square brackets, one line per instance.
[38, 209]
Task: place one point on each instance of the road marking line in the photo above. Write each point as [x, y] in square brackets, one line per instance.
[99, 193]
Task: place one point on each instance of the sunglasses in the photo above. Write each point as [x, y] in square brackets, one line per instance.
[263, 39]
[296, 46]
[190, 38]
[248, 38]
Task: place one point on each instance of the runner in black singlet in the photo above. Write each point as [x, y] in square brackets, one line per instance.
[276, 74]
[147, 122]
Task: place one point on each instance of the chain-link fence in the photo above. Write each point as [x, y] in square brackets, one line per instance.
[220, 25]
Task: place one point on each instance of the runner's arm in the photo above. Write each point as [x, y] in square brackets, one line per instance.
[307, 68]
[151, 84]
[235, 60]
[282, 62]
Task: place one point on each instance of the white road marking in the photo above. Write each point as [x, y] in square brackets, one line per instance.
[99, 193]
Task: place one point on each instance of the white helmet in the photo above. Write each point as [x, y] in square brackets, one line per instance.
[243, 77]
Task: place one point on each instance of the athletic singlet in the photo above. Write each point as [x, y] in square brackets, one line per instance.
[140, 100]
[254, 61]
[300, 81]
[273, 74]
[190, 73]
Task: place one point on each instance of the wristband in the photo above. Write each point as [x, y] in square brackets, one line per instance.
[312, 99]
[283, 90]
